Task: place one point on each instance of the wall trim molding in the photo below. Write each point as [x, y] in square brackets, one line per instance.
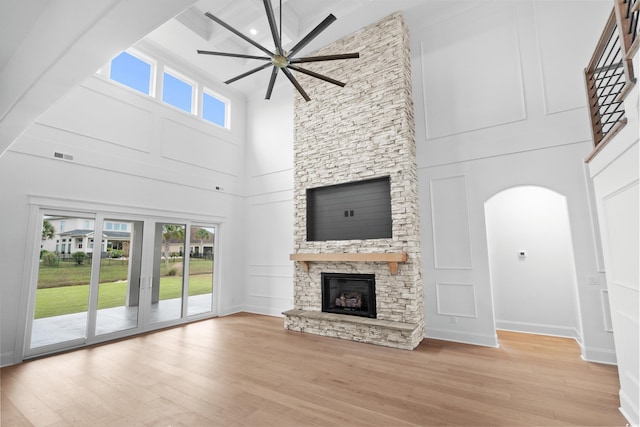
[439, 299]
[60, 203]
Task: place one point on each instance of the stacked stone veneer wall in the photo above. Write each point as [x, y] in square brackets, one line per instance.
[358, 132]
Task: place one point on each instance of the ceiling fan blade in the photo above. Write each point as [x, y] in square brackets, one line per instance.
[243, 75]
[317, 76]
[272, 25]
[312, 35]
[274, 74]
[238, 33]
[233, 55]
[325, 58]
[296, 84]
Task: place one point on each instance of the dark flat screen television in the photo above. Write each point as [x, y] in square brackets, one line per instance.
[350, 211]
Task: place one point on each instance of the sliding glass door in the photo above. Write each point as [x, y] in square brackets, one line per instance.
[99, 277]
[63, 280]
[168, 272]
[200, 279]
[120, 273]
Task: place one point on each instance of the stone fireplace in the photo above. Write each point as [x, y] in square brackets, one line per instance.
[364, 131]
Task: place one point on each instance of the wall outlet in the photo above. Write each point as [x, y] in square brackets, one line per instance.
[593, 279]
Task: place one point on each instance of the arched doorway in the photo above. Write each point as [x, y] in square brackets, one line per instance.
[531, 262]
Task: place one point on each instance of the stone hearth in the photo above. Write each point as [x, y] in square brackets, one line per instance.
[362, 131]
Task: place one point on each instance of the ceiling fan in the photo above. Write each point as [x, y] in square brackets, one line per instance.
[282, 60]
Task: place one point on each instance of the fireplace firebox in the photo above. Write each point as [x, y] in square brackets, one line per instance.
[348, 293]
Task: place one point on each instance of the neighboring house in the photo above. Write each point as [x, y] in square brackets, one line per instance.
[201, 243]
[78, 235]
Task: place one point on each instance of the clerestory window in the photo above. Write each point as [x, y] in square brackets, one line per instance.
[137, 72]
[131, 71]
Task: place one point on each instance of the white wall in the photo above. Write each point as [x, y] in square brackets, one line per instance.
[269, 203]
[615, 178]
[535, 292]
[499, 103]
[130, 153]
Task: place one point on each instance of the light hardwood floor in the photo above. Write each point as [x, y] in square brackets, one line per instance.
[246, 370]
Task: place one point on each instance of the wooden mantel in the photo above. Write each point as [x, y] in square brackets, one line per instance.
[392, 258]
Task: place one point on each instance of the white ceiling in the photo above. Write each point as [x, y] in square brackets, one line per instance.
[192, 30]
[47, 47]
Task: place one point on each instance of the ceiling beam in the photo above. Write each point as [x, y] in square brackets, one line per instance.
[195, 21]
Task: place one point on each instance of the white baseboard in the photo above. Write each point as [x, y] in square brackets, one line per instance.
[226, 311]
[463, 337]
[7, 358]
[539, 329]
[267, 311]
[629, 409]
[599, 355]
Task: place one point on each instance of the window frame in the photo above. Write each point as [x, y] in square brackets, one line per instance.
[144, 58]
[209, 92]
[181, 77]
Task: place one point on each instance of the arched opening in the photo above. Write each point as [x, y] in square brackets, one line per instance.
[531, 262]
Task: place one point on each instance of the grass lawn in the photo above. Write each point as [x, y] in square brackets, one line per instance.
[68, 273]
[74, 299]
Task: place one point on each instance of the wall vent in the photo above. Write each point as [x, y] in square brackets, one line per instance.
[58, 155]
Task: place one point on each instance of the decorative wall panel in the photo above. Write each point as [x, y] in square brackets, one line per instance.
[479, 58]
[450, 223]
[456, 299]
[606, 310]
[188, 145]
[562, 59]
[623, 223]
[267, 247]
[102, 117]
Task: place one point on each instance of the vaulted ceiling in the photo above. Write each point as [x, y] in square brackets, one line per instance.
[192, 30]
[47, 47]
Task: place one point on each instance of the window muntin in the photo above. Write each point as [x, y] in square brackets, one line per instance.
[131, 71]
[177, 92]
[214, 109]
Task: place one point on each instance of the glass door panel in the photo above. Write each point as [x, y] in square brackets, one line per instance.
[120, 270]
[89, 283]
[200, 270]
[168, 273]
[64, 275]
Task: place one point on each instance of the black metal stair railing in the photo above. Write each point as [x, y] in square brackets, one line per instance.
[629, 11]
[609, 77]
[605, 80]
